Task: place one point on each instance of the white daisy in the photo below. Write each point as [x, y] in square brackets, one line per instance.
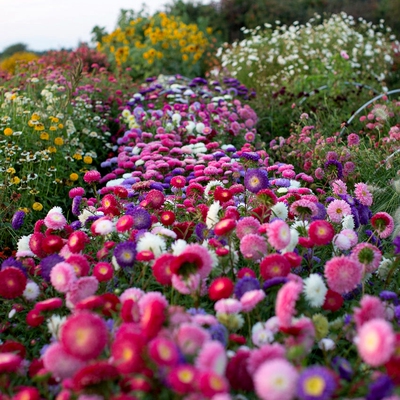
[280, 210]
[212, 215]
[151, 242]
[315, 290]
[31, 291]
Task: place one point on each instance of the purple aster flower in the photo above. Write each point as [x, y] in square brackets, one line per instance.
[336, 166]
[388, 295]
[141, 218]
[343, 368]
[356, 216]
[18, 220]
[196, 311]
[381, 388]
[76, 225]
[250, 156]
[199, 230]
[219, 332]
[316, 383]
[76, 201]
[47, 264]
[245, 285]
[364, 214]
[282, 182]
[397, 313]
[125, 254]
[256, 179]
[279, 280]
[158, 186]
[396, 243]
[321, 214]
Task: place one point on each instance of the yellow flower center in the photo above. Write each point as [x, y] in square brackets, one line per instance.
[314, 386]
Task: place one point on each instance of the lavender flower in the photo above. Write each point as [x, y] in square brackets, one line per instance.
[125, 254]
[381, 388]
[141, 218]
[18, 220]
[256, 179]
[220, 333]
[316, 383]
[245, 285]
[47, 264]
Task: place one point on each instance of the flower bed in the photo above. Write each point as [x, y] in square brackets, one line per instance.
[199, 268]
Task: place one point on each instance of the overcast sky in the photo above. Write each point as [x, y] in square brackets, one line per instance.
[56, 24]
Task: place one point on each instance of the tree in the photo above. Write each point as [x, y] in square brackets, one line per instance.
[14, 48]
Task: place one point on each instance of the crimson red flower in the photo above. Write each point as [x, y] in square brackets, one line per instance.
[48, 304]
[162, 269]
[80, 263]
[103, 271]
[222, 195]
[127, 352]
[94, 374]
[321, 232]
[9, 362]
[153, 317]
[243, 272]
[34, 318]
[293, 258]
[224, 226]
[121, 192]
[109, 201]
[27, 393]
[77, 241]
[220, 288]
[90, 303]
[35, 244]
[52, 244]
[274, 265]
[155, 199]
[167, 218]
[13, 282]
[111, 302]
[186, 264]
[333, 301]
[11, 346]
[267, 197]
[237, 373]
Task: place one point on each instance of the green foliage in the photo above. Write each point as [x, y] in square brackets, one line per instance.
[14, 48]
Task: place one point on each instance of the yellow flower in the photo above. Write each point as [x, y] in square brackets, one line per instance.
[74, 176]
[87, 160]
[8, 131]
[52, 149]
[44, 136]
[15, 180]
[53, 128]
[185, 57]
[37, 206]
[10, 170]
[39, 127]
[209, 30]
[25, 210]
[54, 119]
[35, 117]
[58, 141]
[60, 126]
[77, 156]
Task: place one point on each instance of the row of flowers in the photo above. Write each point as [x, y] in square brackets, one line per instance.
[202, 269]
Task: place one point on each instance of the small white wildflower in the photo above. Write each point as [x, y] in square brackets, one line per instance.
[294, 239]
[326, 344]
[115, 264]
[384, 268]
[348, 222]
[12, 313]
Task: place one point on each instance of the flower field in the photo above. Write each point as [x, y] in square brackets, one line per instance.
[168, 236]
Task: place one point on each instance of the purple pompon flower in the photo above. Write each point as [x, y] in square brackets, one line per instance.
[245, 285]
[47, 264]
[250, 156]
[396, 244]
[336, 166]
[316, 383]
[389, 296]
[256, 179]
[125, 254]
[199, 230]
[381, 388]
[141, 218]
[76, 225]
[76, 201]
[220, 333]
[343, 368]
[321, 214]
[364, 214]
[282, 182]
[18, 220]
[279, 280]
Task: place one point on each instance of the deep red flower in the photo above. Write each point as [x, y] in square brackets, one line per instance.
[220, 288]
[333, 301]
[237, 373]
[162, 269]
[94, 374]
[111, 302]
[155, 198]
[167, 218]
[224, 226]
[186, 264]
[12, 282]
[274, 265]
[11, 346]
[52, 244]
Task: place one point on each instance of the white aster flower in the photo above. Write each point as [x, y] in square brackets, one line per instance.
[280, 210]
[151, 242]
[54, 324]
[326, 344]
[23, 249]
[31, 291]
[294, 239]
[211, 186]
[178, 246]
[315, 290]
[212, 214]
[348, 222]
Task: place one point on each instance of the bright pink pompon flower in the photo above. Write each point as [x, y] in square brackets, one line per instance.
[370, 307]
[246, 226]
[286, 302]
[228, 306]
[383, 223]
[278, 233]
[251, 298]
[375, 342]
[92, 176]
[55, 220]
[338, 209]
[363, 195]
[78, 191]
[343, 274]
[62, 276]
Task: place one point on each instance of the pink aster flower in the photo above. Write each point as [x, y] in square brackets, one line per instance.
[370, 307]
[368, 255]
[278, 233]
[286, 302]
[265, 353]
[190, 338]
[376, 342]
[321, 232]
[62, 276]
[276, 380]
[186, 285]
[337, 209]
[343, 274]
[205, 257]
[102, 226]
[342, 242]
[304, 208]
[92, 176]
[351, 235]
[61, 364]
[132, 293]
[228, 306]
[339, 187]
[253, 247]
[246, 226]
[81, 289]
[251, 298]
[78, 191]
[383, 224]
[163, 351]
[84, 335]
[212, 357]
[55, 220]
[353, 139]
[363, 195]
[125, 223]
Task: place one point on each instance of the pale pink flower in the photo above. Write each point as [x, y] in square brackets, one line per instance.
[190, 338]
[342, 274]
[286, 302]
[228, 306]
[55, 220]
[62, 276]
[265, 353]
[251, 298]
[363, 195]
[337, 209]
[212, 356]
[339, 187]
[376, 342]
[368, 255]
[253, 247]
[278, 233]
